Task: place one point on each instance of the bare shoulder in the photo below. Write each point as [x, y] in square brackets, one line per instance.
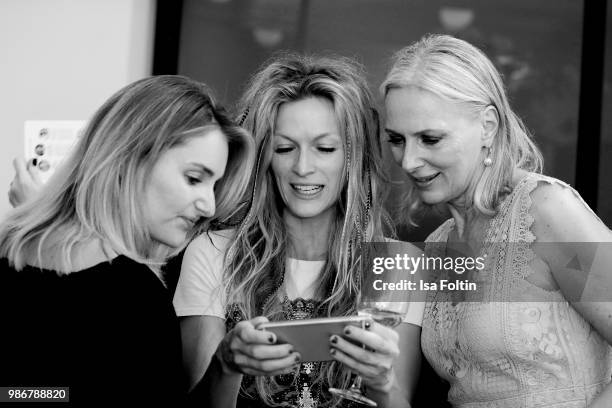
[560, 215]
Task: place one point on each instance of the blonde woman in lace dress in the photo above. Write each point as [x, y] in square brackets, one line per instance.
[531, 342]
[316, 198]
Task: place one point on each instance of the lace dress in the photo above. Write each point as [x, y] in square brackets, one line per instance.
[502, 353]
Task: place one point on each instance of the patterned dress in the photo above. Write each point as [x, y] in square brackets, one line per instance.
[502, 352]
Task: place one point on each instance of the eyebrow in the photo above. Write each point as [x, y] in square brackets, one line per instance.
[393, 132]
[419, 133]
[203, 169]
[321, 136]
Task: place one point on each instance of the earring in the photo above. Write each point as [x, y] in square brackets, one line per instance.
[244, 116]
[488, 161]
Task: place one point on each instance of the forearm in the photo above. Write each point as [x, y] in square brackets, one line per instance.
[218, 387]
[604, 399]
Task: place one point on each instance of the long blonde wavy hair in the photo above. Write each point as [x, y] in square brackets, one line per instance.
[255, 260]
[95, 194]
[459, 72]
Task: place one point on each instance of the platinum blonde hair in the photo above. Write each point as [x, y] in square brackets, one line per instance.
[255, 261]
[96, 192]
[459, 72]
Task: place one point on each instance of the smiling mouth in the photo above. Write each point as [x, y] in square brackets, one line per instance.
[307, 189]
[424, 181]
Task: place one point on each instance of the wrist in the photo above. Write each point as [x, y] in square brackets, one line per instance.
[382, 387]
[225, 356]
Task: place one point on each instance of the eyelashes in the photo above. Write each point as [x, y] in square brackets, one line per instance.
[395, 140]
[282, 150]
[193, 180]
[287, 149]
[400, 140]
[429, 140]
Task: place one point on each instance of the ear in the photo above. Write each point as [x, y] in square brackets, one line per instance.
[490, 124]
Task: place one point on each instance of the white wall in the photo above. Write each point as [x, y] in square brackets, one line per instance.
[60, 59]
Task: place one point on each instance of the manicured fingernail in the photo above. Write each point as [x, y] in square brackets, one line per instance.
[297, 358]
[332, 351]
[334, 340]
[271, 339]
[347, 331]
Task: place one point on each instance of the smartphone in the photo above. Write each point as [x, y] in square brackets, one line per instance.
[48, 142]
[310, 337]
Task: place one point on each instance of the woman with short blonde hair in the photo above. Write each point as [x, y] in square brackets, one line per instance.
[523, 338]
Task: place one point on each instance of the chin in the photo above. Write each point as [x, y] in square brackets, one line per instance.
[307, 212]
[432, 199]
[172, 241]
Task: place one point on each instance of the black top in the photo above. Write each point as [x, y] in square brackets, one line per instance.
[108, 332]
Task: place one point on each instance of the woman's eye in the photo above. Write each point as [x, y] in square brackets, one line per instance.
[326, 149]
[429, 140]
[192, 179]
[283, 149]
[396, 140]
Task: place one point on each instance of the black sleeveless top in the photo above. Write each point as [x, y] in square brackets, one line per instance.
[108, 332]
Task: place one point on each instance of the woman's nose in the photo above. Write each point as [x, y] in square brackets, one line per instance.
[205, 203]
[304, 164]
[412, 158]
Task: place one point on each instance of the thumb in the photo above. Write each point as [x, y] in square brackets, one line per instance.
[20, 167]
[256, 321]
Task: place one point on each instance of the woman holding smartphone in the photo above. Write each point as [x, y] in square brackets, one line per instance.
[317, 195]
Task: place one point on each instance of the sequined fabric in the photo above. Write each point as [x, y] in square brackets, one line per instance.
[515, 354]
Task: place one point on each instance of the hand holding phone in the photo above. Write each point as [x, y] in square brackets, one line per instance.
[310, 337]
[244, 349]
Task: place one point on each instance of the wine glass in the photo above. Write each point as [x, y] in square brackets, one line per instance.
[385, 307]
[386, 313]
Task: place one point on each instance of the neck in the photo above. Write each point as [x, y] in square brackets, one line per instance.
[308, 237]
[85, 254]
[462, 207]
[462, 216]
[465, 213]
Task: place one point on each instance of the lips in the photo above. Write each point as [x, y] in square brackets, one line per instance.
[424, 181]
[307, 189]
[189, 222]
